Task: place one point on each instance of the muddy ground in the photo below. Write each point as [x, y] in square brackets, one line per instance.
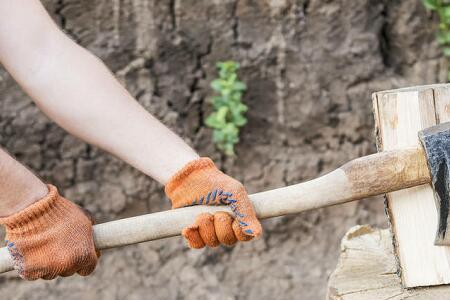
[310, 67]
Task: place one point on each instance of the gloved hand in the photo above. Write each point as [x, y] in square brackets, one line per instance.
[52, 237]
[201, 183]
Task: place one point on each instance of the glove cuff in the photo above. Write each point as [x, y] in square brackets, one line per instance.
[184, 181]
[42, 213]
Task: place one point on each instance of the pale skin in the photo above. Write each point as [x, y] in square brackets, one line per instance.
[75, 89]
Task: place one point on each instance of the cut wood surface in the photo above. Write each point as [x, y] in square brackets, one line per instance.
[363, 177]
[367, 270]
[399, 115]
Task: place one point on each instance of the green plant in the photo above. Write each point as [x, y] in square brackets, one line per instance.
[442, 8]
[228, 115]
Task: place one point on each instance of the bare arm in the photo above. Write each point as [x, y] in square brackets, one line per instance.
[77, 91]
[19, 187]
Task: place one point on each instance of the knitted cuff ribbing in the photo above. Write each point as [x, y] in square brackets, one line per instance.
[177, 180]
[51, 206]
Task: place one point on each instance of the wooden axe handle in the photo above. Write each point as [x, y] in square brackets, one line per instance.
[363, 177]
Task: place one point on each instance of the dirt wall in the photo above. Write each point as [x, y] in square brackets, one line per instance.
[310, 67]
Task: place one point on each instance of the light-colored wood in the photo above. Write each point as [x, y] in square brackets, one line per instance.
[360, 178]
[400, 114]
[6, 262]
[373, 174]
[367, 270]
[442, 104]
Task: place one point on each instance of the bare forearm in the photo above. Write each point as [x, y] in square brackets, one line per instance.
[77, 91]
[19, 187]
[90, 103]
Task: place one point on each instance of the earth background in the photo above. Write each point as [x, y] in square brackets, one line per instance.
[310, 67]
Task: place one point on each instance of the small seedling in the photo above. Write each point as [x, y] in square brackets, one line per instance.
[442, 8]
[228, 115]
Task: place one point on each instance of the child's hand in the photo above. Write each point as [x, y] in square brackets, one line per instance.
[51, 237]
[201, 183]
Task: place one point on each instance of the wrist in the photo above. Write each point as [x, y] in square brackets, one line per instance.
[190, 169]
[200, 182]
[37, 212]
[24, 197]
[170, 170]
[19, 187]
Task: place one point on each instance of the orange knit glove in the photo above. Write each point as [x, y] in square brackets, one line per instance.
[201, 183]
[52, 237]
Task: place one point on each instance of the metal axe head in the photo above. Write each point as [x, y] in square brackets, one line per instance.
[436, 143]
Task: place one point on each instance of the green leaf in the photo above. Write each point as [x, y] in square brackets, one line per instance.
[239, 86]
[229, 149]
[231, 132]
[446, 51]
[443, 37]
[242, 107]
[239, 120]
[216, 85]
[445, 16]
[213, 122]
[226, 91]
[430, 4]
[222, 114]
[218, 102]
[228, 115]
[218, 136]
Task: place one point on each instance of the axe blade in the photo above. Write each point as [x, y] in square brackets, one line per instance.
[436, 143]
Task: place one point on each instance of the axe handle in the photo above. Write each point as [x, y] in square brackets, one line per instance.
[360, 178]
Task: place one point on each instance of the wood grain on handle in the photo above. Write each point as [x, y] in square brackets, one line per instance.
[363, 177]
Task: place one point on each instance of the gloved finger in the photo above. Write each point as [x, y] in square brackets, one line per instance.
[245, 214]
[97, 252]
[224, 229]
[50, 276]
[193, 237]
[67, 273]
[91, 218]
[88, 214]
[88, 263]
[30, 275]
[205, 223]
[86, 270]
[238, 232]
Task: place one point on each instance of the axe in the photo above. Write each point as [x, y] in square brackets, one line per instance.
[360, 178]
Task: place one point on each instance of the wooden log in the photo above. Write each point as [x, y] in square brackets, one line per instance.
[399, 115]
[367, 270]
